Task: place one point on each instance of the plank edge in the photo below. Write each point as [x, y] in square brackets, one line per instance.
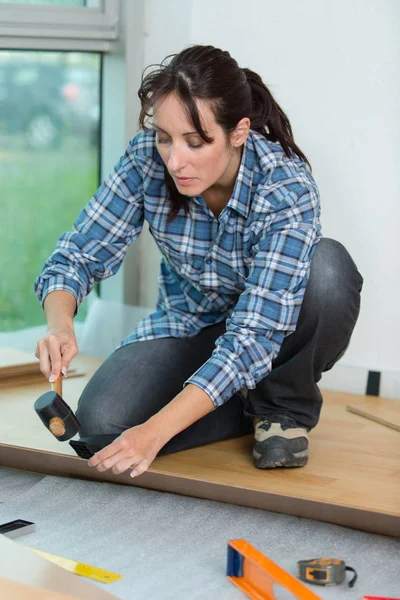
[50, 463]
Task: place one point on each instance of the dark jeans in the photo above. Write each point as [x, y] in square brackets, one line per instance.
[137, 380]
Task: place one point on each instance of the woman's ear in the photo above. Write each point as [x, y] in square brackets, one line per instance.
[240, 133]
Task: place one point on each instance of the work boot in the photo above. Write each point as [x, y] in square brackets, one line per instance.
[277, 445]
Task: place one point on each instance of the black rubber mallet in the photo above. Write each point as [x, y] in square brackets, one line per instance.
[61, 421]
[55, 413]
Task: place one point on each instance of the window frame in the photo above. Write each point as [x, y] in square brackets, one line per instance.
[127, 51]
[54, 27]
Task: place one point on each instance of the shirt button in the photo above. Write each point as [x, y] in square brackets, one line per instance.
[208, 261]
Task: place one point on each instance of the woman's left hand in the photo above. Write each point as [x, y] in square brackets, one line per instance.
[135, 448]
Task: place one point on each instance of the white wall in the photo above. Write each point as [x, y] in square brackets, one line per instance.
[333, 66]
[167, 30]
[122, 70]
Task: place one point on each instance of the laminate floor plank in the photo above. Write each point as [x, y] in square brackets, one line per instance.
[354, 462]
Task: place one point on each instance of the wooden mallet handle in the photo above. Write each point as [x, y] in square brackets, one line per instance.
[57, 425]
[56, 386]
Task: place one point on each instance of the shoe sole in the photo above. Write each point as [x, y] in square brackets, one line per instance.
[276, 452]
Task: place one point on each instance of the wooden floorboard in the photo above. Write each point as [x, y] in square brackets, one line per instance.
[352, 477]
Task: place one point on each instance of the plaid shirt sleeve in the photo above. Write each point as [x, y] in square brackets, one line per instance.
[96, 246]
[269, 306]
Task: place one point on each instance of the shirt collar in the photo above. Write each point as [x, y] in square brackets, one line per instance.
[241, 195]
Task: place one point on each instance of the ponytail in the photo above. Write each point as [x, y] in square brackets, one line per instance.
[268, 118]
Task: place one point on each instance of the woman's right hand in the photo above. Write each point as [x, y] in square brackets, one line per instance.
[56, 350]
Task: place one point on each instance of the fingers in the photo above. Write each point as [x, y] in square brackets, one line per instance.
[44, 359]
[110, 462]
[54, 350]
[55, 354]
[114, 458]
[117, 463]
[70, 352]
[140, 468]
[106, 453]
[134, 449]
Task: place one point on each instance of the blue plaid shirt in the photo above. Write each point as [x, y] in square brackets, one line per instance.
[250, 266]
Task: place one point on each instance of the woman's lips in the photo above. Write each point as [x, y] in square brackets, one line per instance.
[185, 180]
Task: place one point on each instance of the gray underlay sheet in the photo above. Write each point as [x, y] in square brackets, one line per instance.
[13, 483]
[170, 546]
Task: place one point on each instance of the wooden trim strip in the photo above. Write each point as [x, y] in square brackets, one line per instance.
[61, 465]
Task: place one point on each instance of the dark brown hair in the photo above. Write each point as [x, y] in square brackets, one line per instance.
[208, 73]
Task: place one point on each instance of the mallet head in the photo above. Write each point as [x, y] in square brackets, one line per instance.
[57, 416]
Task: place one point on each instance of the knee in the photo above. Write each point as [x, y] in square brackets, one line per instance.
[92, 416]
[334, 277]
[96, 411]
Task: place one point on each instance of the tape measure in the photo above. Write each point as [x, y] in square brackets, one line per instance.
[79, 568]
[324, 571]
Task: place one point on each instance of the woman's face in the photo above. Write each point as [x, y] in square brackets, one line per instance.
[194, 164]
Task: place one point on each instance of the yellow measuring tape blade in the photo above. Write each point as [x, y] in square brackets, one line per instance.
[80, 568]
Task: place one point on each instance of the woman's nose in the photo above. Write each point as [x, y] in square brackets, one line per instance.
[175, 160]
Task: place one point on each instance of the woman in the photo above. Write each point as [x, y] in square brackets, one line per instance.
[253, 305]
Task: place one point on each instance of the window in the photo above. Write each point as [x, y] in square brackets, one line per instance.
[59, 24]
[88, 3]
[49, 165]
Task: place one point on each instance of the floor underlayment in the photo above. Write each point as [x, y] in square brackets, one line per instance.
[170, 546]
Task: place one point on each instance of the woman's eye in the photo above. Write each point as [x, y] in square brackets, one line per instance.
[168, 141]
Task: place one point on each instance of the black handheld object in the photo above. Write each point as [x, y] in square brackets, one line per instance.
[57, 416]
[87, 446]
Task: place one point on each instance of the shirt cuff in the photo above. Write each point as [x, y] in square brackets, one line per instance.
[61, 284]
[218, 378]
